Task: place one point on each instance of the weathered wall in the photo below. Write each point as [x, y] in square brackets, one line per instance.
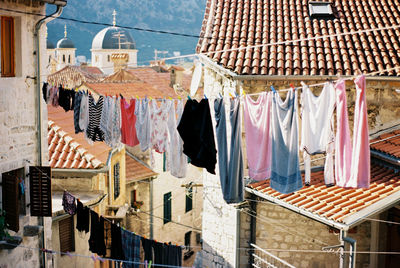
[118, 157]
[18, 123]
[139, 223]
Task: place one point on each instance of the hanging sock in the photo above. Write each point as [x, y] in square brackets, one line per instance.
[317, 129]
[285, 171]
[257, 117]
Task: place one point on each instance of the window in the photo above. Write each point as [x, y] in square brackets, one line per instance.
[63, 58]
[187, 239]
[108, 58]
[167, 207]
[116, 181]
[13, 192]
[69, 58]
[7, 47]
[96, 59]
[66, 233]
[320, 10]
[40, 191]
[133, 198]
[189, 200]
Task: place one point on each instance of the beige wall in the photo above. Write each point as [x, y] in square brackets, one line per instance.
[118, 157]
[137, 222]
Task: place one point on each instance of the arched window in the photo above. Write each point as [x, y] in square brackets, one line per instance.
[69, 58]
[64, 58]
[49, 59]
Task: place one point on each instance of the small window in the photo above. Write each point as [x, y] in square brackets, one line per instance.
[7, 47]
[49, 59]
[108, 58]
[187, 239]
[167, 207]
[189, 200]
[116, 181]
[69, 58]
[133, 198]
[63, 58]
[96, 59]
[66, 233]
[320, 10]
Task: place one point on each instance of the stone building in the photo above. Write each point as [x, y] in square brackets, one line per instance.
[23, 129]
[269, 57]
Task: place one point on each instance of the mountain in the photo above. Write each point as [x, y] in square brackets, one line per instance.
[181, 16]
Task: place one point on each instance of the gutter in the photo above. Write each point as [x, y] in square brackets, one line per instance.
[87, 172]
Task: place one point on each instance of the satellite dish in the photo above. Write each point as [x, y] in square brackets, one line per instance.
[194, 85]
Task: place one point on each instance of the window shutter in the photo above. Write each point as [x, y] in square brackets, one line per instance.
[116, 181]
[7, 47]
[66, 233]
[189, 200]
[167, 207]
[40, 191]
[10, 201]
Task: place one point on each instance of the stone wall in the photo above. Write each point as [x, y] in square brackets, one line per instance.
[139, 223]
[18, 124]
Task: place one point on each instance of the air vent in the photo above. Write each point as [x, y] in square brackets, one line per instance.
[321, 10]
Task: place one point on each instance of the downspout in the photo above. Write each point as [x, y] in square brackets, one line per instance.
[253, 207]
[353, 248]
[237, 238]
[151, 208]
[56, 14]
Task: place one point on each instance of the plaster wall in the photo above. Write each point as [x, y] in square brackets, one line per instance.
[100, 58]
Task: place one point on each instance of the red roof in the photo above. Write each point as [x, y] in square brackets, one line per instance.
[135, 170]
[336, 203]
[388, 143]
[239, 23]
[65, 120]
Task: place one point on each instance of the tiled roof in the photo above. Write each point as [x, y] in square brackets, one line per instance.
[336, 203]
[74, 76]
[120, 76]
[239, 23]
[65, 152]
[388, 143]
[127, 89]
[65, 120]
[134, 170]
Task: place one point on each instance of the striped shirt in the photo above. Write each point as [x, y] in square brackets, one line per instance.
[93, 130]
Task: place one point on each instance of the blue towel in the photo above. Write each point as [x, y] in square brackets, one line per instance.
[285, 170]
[131, 248]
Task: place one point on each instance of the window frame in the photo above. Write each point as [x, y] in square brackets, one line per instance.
[189, 200]
[117, 180]
[167, 207]
[7, 64]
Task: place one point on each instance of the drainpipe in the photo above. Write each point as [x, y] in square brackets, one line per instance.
[46, 19]
[237, 238]
[353, 248]
[253, 207]
[151, 208]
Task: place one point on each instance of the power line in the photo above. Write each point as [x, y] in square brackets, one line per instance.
[194, 228]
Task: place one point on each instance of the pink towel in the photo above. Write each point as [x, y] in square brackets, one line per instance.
[343, 144]
[257, 115]
[360, 163]
[352, 162]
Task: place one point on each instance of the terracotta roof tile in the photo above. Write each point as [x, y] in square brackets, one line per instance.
[337, 203]
[74, 76]
[127, 89]
[64, 151]
[388, 143]
[135, 170]
[234, 23]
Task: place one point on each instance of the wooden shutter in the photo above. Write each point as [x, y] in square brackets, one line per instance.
[116, 181]
[189, 200]
[66, 233]
[10, 200]
[40, 191]
[7, 47]
[167, 207]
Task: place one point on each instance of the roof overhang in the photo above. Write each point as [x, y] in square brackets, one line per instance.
[61, 3]
[77, 172]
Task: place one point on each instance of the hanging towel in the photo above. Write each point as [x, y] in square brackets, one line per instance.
[196, 131]
[343, 150]
[317, 129]
[177, 160]
[96, 240]
[143, 126]
[285, 171]
[82, 217]
[128, 123]
[131, 248]
[116, 243]
[257, 117]
[230, 162]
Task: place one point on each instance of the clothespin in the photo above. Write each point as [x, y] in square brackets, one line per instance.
[179, 97]
[93, 257]
[205, 96]
[137, 97]
[189, 98]
[145, 263]
[220, 95]
[150, 264]
[170, 98]
[273, 89]
[68, 254]
[293, 88]
[230, 95]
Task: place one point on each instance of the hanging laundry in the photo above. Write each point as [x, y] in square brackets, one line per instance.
[131, 248]
[45, 88]
[159, 119]
[116, 243]
[96, 240]
[66, 98]
[147, 245]
[114, 124]
[93, 130]
[77, 108]
[143, 126]
[53, 98]
[257, 117]
[68, 202]
[317, 129]
[177, 160]
[84, 112]
[159, 253]
[105, 118]
[128, 122]
[196, 131]
[285, 171]
[230, 160]
[82, 217]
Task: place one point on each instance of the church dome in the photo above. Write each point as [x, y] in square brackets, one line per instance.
[65, 43]
[113, 38]
[49, 45]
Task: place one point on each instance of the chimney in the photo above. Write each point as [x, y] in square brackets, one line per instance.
[176, 76]
[120, 61]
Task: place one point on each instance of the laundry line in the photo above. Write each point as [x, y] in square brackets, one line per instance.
[93, 256]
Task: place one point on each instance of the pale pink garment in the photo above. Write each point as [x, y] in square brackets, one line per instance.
[360, 163]
[343, 143]
[257, 115]
[352, 161]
